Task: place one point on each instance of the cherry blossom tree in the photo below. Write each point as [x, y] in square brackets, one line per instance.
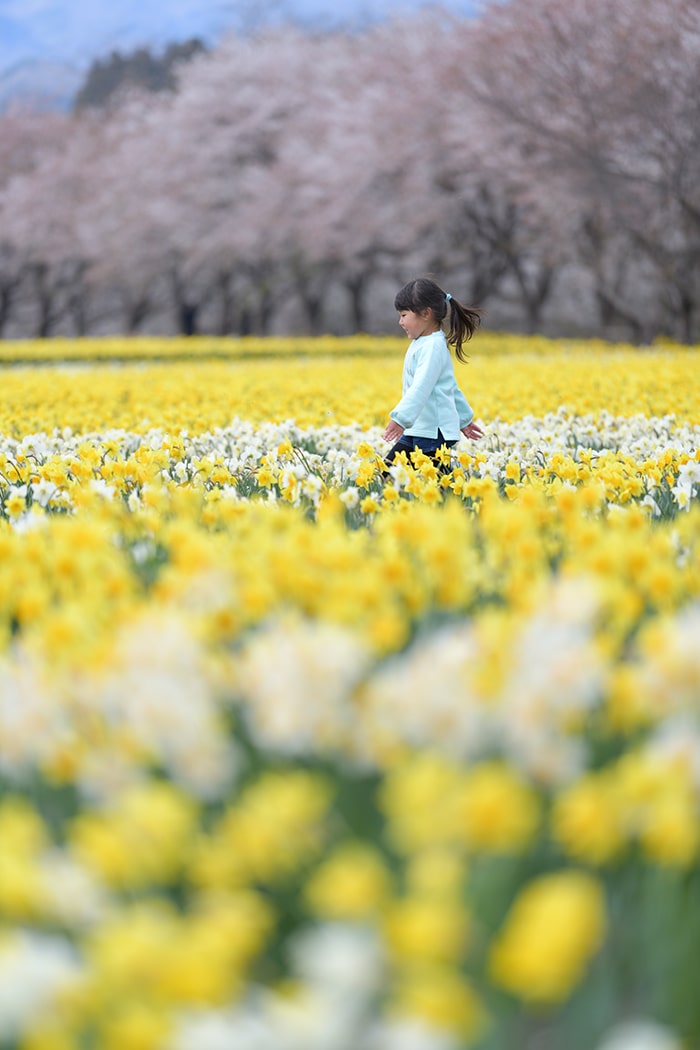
[600, 99]
[27, 139]
[290, 173]
[39, 211]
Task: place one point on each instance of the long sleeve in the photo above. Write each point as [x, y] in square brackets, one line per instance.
[466, 412]
[429, 368]
[432, 403]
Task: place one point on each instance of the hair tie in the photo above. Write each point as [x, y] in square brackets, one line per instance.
[447, 297]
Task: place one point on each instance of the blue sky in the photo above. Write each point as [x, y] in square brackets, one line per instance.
[76, 31]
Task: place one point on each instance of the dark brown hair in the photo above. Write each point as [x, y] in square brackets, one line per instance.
[424, 294]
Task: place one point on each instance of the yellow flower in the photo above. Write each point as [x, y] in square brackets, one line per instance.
[48, 1034]
[135, 1026]
[265, 477]
[143, 838]
[441, 997]
[499, 811]
[438, 871]
[551, 933]
[23, 893]
[671, 832]
[22, 882]
[366, 473]
[212, 864]
[640, 782]
[430, 493]
[127, 951]
[426, 929]
[369, 505]
[352, 884]
[420, 801]
[586, 819]
[210, 952]
[15, 504]
[22, 830]
[276, 825]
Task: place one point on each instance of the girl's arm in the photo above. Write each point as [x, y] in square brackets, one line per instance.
[415, 399]
[473, 431]
[393, 432]
[466, 416]
[465, 410]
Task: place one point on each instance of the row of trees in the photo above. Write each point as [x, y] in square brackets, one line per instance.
[541, 147]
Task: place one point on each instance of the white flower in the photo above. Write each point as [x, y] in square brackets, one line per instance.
[408, 1034]
[30, 715]
[650, 502]
[312, 1020]
[34, 969]
[156, 686]
[683, 494]
[73, 895]
[341, 958]
[312, 488]
[689, 473]
[676, 741]
[350, 497]
[100, 486]
[296, 679]
[42, 491]
[400, 475]
[242, 1029]
[427, 696]
[640, 1035]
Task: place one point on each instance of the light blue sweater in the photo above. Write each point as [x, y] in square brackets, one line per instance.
[431, 397]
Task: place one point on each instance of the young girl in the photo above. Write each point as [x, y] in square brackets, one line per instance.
[433, 411]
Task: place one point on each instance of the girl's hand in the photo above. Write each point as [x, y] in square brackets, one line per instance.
[393, 432]
[472, 431]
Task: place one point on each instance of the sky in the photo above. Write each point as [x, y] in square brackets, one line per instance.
[77, 31]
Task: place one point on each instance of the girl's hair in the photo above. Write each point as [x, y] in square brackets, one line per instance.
[424, 294]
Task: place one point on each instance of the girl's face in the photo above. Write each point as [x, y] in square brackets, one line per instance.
[417, 324]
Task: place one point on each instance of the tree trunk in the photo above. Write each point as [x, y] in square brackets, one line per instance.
[686, 317]
[7, 295]
[609, 311]
[77, 303]
[357, 289]
[188, 315]
[227, 312]
[135, 312]
[186, 309]
[45, 301]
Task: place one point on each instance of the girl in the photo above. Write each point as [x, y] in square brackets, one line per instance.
[433, 411]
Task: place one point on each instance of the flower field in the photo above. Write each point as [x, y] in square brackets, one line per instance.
[298, 753]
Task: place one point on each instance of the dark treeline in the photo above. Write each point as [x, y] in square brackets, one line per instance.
[107, 78]
[543, 160]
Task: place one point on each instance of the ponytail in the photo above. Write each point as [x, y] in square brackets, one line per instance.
[464, 321]
[424, 294]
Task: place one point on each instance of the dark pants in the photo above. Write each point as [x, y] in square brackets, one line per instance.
[407, 443]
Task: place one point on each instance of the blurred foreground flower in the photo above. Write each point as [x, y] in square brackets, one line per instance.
[552, 931]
